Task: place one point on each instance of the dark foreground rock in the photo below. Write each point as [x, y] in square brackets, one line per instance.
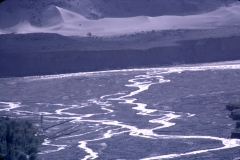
[232, 106]
[235, 114]
[190, 51]
[238, 124]
[236, 134]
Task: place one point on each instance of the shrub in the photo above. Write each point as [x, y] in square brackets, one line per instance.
[33, 156]
[22, 157]
[32, 149]
[17, 139]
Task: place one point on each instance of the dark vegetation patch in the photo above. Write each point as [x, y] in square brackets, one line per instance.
[18, 140]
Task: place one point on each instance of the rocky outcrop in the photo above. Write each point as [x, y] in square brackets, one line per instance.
[236, 134]
[235, 114]
[233, 106]
[238, 124]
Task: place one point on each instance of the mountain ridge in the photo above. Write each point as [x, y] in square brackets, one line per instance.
[68, 23]
[14, 11]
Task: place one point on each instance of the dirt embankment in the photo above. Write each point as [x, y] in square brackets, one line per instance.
[189, 51]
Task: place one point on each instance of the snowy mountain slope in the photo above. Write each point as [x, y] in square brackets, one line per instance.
[68, 23]
[14, 11]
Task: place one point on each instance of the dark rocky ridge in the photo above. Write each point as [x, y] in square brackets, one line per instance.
[185, 52]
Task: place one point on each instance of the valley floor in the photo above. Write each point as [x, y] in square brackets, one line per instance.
[172, 112]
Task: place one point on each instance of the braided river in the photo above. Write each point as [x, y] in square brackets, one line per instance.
[175, 112]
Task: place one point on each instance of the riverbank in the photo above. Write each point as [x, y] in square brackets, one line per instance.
[60, 62]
